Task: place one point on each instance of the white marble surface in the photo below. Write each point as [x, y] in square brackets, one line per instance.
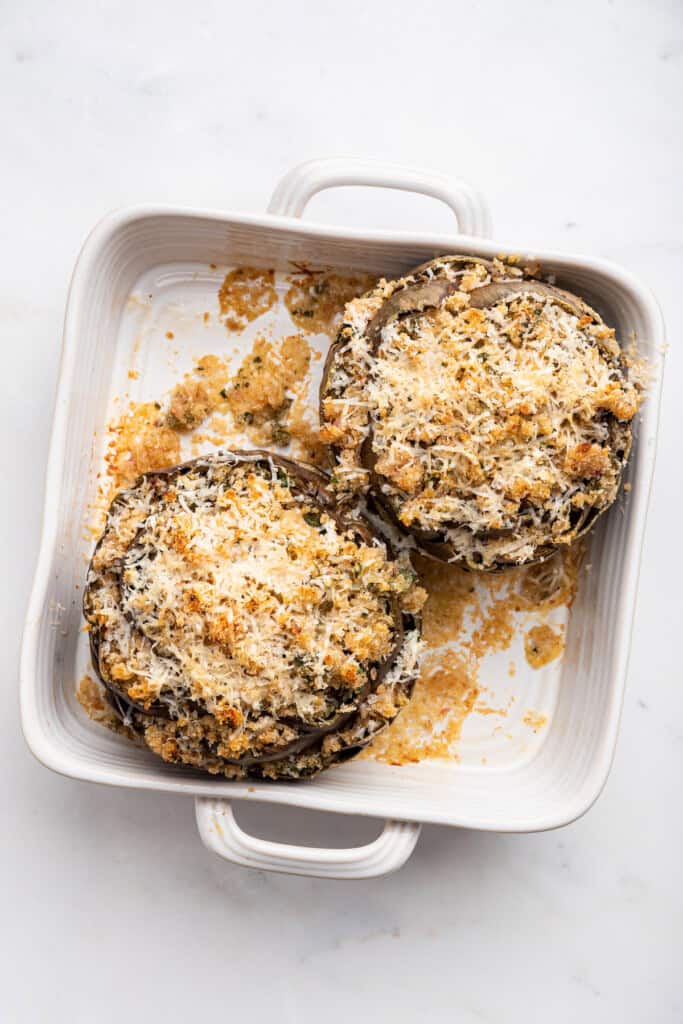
[568, 117]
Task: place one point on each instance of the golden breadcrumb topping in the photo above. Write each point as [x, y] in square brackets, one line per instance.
[487, 425]
[246, 293]
[226, 587]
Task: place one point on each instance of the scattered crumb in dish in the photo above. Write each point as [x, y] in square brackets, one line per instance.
[432, 722]
[259, 390]
[543, 644]
[316, 299]
[139, 441]
[90, 695]
[266, 400]
[467, 616]
[198, 394]
[189, 405]
[497, 629]
[246, 293]
[451, 592]
[534, 720]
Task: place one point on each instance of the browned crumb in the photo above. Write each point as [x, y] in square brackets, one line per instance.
[206, 317]
[542, 644]
[199, 393]
[497, 629]
[316, 299]
[189, 405]
[267, 373]
[90, 696]
[265, 399]
[140, 441]
[170, 335]
[214, 374]
[133, 375]
[451, 593]
[246, 293]
[535, 720]
[449, 686]
[587, 461]
[432, 722]
[491, 603]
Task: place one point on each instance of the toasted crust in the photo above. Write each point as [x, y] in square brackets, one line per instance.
[246, 735]
[479, 288]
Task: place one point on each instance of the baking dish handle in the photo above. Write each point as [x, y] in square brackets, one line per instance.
[221, 834]
[303, 182]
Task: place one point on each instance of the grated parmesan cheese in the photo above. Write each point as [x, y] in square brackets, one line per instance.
[500, 425]
[234, 615]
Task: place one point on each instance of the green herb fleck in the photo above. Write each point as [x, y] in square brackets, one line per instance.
[280, 436]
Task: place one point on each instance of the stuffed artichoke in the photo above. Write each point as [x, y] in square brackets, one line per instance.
[487, 412]
[242, 626]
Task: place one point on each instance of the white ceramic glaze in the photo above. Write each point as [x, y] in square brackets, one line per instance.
[221, 834]
[563, 775]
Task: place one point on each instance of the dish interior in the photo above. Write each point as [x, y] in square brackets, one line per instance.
[147, 277]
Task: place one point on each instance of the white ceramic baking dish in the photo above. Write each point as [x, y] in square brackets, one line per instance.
[560, 775]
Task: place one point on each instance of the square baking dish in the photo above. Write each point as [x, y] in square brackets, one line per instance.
[562, 774]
